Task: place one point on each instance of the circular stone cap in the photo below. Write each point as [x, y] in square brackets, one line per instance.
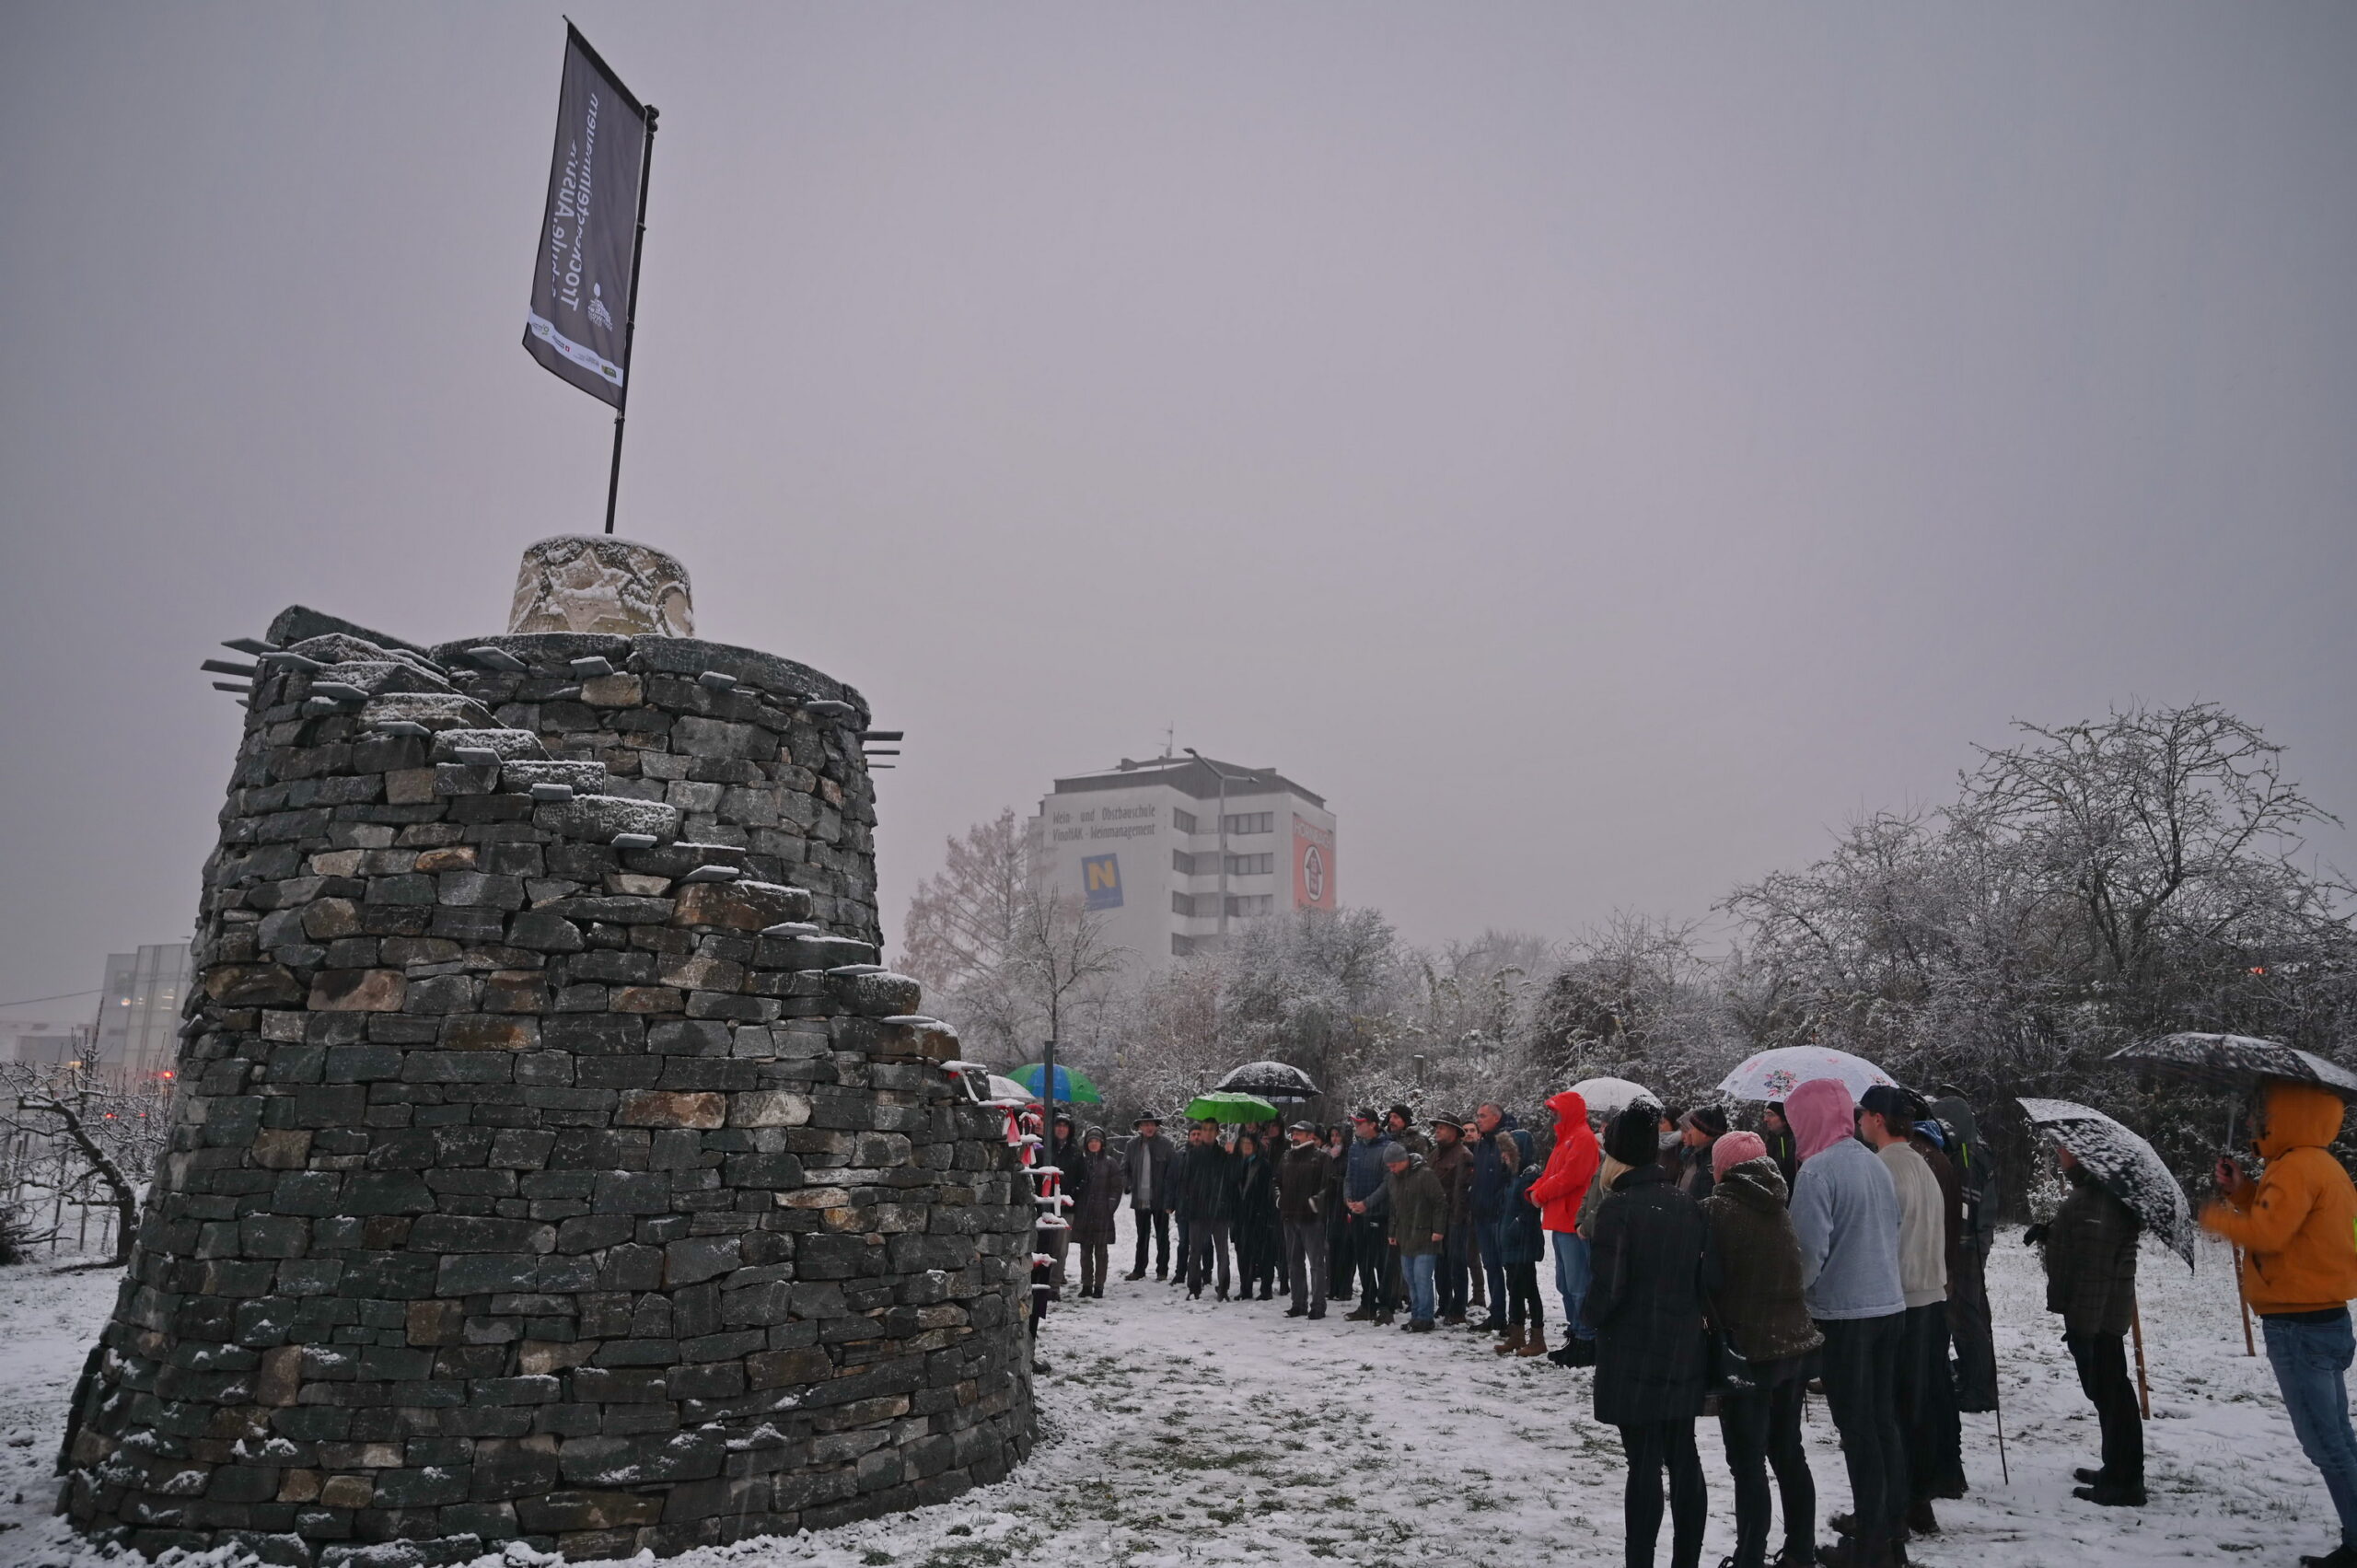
[596, 583]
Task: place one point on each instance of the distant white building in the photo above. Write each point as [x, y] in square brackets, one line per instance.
[43, 1044]
[139, 1010]
[1175, 853]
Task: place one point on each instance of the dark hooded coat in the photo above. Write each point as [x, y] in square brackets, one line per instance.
[1654, 1269]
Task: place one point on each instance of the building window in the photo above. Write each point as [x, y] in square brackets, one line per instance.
[1252, 904]
[1250, 823]
[1182, 946]
[1252, 865]
[1182, 863]
[1182, 820]
[1183, 903]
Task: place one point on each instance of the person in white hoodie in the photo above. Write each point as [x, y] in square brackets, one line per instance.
[1884, 1121]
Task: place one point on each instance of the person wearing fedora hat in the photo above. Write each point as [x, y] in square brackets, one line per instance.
[1146, 1166]
[1451, 1162]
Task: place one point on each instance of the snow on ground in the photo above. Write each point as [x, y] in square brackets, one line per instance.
[1179, 1431]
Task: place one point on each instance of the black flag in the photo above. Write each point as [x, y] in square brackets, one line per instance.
[578, 326]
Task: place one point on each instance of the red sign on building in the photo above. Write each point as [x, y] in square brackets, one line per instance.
[1313, 866]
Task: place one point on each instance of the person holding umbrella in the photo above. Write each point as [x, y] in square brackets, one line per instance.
[2295, 1226]
[2090, 1249]
[1146, 1166]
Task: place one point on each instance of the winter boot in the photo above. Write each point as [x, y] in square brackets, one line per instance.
[1533, 1344]
[1383, 1319]
[1921, 1521]
[1512, 1343]
[2089, 1476]
[1363, 1313]
[2112, 1494]
[1455, 1320]
[2339, 1557]
[1134, 1274]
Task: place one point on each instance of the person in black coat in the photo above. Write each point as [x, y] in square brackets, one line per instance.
[1654, 1272]
[1206, 1203]
[1257, 1243]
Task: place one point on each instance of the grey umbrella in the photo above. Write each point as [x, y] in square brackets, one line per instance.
[1269, 1080]
[2124, 1163]
[2237, 1062]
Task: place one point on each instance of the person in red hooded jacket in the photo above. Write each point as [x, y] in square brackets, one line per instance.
[1571, 1171]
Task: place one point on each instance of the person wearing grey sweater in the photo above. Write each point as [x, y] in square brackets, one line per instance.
[1926, 1392]
[1845, 1211]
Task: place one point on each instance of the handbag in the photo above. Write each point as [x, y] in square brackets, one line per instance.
[1726, 1370]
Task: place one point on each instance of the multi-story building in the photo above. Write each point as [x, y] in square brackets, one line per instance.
[139, 1011]
[1175, 853]
[43, 1044]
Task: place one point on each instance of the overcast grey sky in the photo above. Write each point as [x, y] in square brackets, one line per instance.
[1601, 448]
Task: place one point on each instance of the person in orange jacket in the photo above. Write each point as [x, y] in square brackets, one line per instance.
[2297, 1227]
[1571, 1170]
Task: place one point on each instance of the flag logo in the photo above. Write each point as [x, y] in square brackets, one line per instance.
[1100, 878]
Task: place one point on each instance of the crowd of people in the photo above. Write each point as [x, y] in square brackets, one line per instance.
[1838, 1249]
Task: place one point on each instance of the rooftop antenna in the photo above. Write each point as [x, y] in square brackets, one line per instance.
[1169, 737]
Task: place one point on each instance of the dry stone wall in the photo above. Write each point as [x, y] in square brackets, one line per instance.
[551, 1161]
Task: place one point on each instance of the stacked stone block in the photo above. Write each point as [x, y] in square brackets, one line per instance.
[551, 1161]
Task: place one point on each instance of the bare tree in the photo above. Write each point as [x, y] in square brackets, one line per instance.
[108, 1139]
[1059, 947]
[963, 928]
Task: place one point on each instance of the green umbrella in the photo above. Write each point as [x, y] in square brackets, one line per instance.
[1071, 1087]
[1225, 1105]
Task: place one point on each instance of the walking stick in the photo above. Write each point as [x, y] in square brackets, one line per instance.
[2143, 1387]
[2244, 1301]
[1997, 1407]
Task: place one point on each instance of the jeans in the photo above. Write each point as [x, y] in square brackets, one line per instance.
[1453, 1263]
[1861, 1363]
[1206, 1241]
[1652, 1446]
[1493, 1250]
[2103, 1377]
[1927, 1404]
[1306, 1262]
[1421, 1271]
[2310, 1360]
[1158, 1222]
[1571, 1276]
[1969, 1329]
[1371, 1251]
[1762, 1429]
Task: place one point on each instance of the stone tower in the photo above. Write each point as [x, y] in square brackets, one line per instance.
[551, 1161]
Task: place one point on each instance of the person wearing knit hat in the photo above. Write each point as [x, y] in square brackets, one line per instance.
[1645, 1301]
[1697, 1131]
[1756, 1304]
[1845, 1213]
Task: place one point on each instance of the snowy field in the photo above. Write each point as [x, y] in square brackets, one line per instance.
[1179, 1431]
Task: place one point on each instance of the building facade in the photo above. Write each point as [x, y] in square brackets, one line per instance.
[139, 1011]
[44, 1044]
[1176, 853]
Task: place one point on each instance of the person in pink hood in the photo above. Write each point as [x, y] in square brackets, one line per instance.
[1845, 1211]
[1571, 1171]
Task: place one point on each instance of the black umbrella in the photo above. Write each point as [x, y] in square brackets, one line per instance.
[1269, 1080]
[2237, 1062]
[2124, 1163]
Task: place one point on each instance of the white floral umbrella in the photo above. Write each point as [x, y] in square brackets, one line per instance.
[1774, 1074]
[1608, 1098]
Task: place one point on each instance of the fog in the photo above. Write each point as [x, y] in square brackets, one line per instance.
[1598, 448]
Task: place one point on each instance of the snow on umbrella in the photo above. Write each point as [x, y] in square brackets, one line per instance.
[2237, 1062]
[1007, 1088]
[1608, 1098]
[1071, 1089]
[2124, 1163]
[1225, 1105]
[1773, 1074]
[1271, 1081]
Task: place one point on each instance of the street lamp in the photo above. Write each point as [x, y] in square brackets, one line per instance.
[1221, 773]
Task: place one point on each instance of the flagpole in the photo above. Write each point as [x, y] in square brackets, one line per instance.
[630, 320]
